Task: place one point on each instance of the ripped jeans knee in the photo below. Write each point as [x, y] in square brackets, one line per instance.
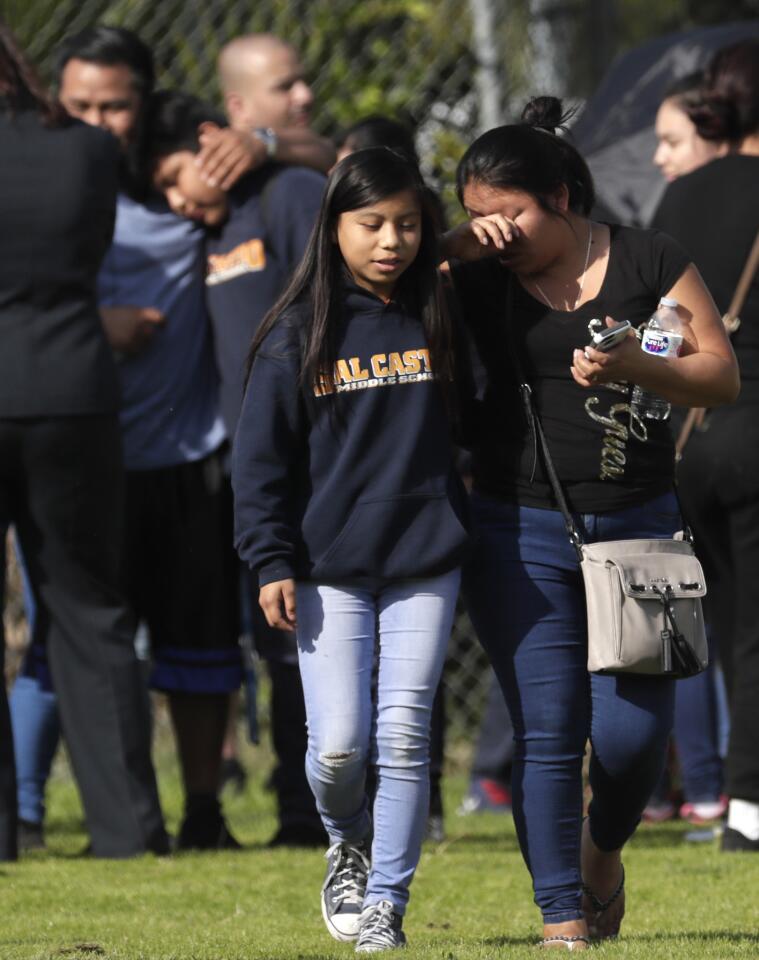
[337, 758]
[336, 765]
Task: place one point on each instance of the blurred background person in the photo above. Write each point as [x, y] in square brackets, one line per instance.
[489, 788]
[377, 131]
[268, 220]
[256, 234]
[264, 84]
[714, 212]
[151, 293]
[679, 146]
[265, 92]
[698, 730]
[61, 474]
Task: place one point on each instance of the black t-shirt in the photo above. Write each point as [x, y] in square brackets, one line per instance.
[714, 213]
[605, 459]
[57, 206]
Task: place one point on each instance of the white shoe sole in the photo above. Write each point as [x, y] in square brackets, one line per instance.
[334, 932]
[369, 948]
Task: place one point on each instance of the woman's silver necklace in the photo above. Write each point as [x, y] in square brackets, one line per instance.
[541, 291]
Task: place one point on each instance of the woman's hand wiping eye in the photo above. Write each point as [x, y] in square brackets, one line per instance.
[481, 237]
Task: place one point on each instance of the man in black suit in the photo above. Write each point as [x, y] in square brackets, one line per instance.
[61, 476]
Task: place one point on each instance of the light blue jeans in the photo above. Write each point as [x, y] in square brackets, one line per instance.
[341, 628]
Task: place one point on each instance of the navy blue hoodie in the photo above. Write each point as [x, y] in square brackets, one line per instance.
[366, 491]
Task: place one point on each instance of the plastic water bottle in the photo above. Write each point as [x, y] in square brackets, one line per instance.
[663, 337]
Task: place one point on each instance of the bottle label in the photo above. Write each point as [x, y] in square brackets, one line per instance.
[661, 343]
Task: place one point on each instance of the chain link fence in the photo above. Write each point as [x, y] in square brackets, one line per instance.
[446, 67]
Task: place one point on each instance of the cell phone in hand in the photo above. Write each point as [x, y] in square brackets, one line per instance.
[611, 337]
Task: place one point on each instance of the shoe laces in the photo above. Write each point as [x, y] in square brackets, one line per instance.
[378, 926]
[347, 880]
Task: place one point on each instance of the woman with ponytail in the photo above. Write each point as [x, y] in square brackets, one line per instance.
[536, 278]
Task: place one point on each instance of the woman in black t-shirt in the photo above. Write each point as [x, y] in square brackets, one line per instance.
[718, 473]
[528, 194]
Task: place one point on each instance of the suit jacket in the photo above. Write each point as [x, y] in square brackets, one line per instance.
[57, 204]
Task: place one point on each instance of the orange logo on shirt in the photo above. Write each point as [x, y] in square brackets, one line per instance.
[383, 370]
[248, 257]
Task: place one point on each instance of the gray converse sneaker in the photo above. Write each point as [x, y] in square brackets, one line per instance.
[380, 929]
[343, 889]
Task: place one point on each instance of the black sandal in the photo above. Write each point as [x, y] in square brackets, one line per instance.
[568, 942]
[601, 906]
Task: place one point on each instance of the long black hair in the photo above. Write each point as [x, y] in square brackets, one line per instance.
[529, 156]
[359, 180]
[20, 87]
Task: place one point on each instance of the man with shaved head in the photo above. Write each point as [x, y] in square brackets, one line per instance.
[263, 83]
[250, 259]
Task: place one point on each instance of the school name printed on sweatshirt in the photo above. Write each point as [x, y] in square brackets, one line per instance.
[382, 370]
[248, 257]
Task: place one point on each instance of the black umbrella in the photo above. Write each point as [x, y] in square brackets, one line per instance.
[615, 131]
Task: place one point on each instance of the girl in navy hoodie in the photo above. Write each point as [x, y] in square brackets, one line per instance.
[348, 506]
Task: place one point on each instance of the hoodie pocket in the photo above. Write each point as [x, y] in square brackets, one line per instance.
[396, 538]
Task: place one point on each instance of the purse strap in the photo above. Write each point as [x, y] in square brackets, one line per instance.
[731, 321]
[732, 318]
[536, 427]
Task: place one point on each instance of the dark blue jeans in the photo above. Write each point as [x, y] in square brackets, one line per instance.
[526, 600]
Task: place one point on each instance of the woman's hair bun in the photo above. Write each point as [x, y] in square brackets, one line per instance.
[545, 113]
[715, 117]
[729, 103]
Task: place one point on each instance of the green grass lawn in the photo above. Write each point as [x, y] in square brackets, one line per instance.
[471, 897]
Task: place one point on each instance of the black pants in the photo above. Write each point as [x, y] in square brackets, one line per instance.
[181, 574]
[295, 802]
[61, 486]
[719, 490]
